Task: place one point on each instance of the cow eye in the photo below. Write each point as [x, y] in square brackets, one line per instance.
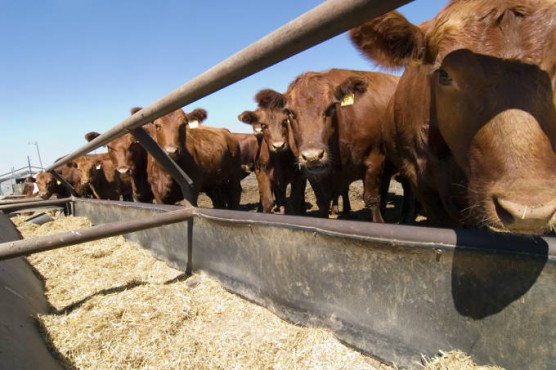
[285, 122]
[264, 126]
[443, 77]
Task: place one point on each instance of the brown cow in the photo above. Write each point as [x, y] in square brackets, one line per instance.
[98, 171]
[474, 113]
[210, 156]
[276, 167]
[49, 185]
[29, 187]
[336, 119]
[249, 147]
[130, 159]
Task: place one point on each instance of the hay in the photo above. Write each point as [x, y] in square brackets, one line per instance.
[454, 360]
[116, 307]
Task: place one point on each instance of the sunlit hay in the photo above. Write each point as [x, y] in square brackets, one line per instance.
[454, 360]
[114, 306]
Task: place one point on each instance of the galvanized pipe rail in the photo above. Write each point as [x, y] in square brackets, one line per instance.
[33, 204]
[319, 24]
[25, 247]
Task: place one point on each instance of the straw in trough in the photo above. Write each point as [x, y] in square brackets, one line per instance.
[114, 306]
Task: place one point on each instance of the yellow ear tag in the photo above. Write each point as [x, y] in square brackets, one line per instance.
[348, 99]
[58, 182]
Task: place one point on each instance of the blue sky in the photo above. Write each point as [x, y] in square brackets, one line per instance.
[68, 67]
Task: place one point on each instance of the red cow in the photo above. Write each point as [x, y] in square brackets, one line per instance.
[29, 187]
[336, 121]
[249, 148]
[130, 159]
[49, 185]
[474, 119]
[210, 156]
[276, 167]
[97, 171]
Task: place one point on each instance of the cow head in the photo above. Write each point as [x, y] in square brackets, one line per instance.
[314, 108]
[126, 152]
[490, 71]
[170, 130]
[89, 166]
[272, 119]
[47, 184]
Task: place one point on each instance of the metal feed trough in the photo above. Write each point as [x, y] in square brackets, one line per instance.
[395, 292]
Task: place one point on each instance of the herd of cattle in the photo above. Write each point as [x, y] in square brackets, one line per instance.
[469, 129]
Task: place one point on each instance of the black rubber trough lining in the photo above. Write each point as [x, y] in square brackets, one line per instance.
[395, 292]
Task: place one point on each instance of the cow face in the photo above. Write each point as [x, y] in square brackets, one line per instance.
[313, 108]
[170, 130]
[272, 119]
[89, 167]
[47, 184]
[491, 76]
[125, 152]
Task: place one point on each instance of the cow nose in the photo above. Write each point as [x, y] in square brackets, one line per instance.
[520, 216]
[170, 149]
[278, 145]
[312, 155]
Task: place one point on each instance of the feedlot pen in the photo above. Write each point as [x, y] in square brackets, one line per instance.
[396, 292]
[393, 291]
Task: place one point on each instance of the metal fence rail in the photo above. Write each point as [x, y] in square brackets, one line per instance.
[319, 24]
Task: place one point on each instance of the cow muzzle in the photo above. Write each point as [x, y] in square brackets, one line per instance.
[314, 161]
[522, 218]
[172, 151]
[278, 146]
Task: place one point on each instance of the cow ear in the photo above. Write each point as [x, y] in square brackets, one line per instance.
[390, 40]
[134, 110]
[90, 136]
[197, 115]
[270, 99]
[351, 88]
[248, 117]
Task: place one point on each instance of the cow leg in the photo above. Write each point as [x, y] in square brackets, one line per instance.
[297, 194]
[266, 201]
[346, 204]
[409, 206]
[234, 192]
[280, 195]
[372, 185]
[217, 198]
[324, 197]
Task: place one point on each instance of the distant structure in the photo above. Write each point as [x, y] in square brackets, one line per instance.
[11, 183]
